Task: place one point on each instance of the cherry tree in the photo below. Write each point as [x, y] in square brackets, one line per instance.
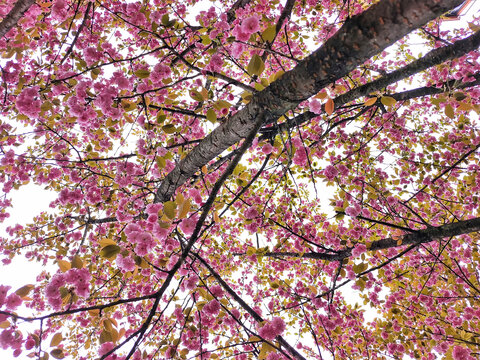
[248, 179]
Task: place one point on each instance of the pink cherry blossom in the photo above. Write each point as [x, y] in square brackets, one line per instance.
[330, 172]
[13, 301]
[188, 226]
[216, 63]
[461, 353]
[212, 307]
[125, 263]
[251, 24]
[353, 210]
[267, 148]
[272, 329]
[315, 106]
[358, 250]
[28, 102]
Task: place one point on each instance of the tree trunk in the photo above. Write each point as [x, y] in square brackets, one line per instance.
[20, 8]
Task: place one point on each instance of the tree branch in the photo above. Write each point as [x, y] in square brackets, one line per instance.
[414, 238]
[361, 37]
[20, 8]
[434, 57]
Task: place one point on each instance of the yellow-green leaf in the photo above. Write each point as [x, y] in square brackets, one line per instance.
[222, 104]
[57, 353]
[142, 73]
[265, 350]
[196, 95]
[110, 251]
[169, 128]
[449, 111]
[105, 336]
[388, 101]
[211, 115]
[64, 265]
[77, 262]
[169, 209]
[184, 209]
[256, 65]
[5, 324]
[269, 33]
[24, 290]
[56, 339]
[105, 242]
[128, 105]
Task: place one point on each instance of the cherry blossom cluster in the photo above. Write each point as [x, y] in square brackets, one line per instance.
[272, 328]
[76, 280]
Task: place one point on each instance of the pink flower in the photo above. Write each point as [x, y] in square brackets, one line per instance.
[353, 210]
[3, 293]
[315, 106]
[191, 282]
[59, 9]
[358, 250]
[251, 24]
[300, 158]
[153, 209]
[251, 213]
[28, 102]
[212, 308]
[160, 72]
[237, 49]
[267, 148]
[330, 172]
[217, 291]
[125, 263]
[272, 329]
[461, 353]
[216, 63]
[188, 226]
[278, 325]
[105, 348]
[13, 301]
[239, 34]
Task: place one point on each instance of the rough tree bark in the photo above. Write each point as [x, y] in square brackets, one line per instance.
[20, 8]
[360, 38]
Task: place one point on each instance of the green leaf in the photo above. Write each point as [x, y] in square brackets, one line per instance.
[169, 209]
[169, 128]
[449, 111]
[269, 33]
[167, 22]
[222, 104]
[256, 65]
[184, 209]
[24, 290]
[77, 262]
[388, 101]
[56, 339]
[57, 353]
[211, 115]
[110, 252]
[196, 95]
[128, 105]
[142, 73]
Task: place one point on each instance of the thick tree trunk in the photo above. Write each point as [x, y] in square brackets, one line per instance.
[359, 39]
[14, 15]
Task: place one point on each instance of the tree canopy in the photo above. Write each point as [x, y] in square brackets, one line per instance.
[291, 179]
